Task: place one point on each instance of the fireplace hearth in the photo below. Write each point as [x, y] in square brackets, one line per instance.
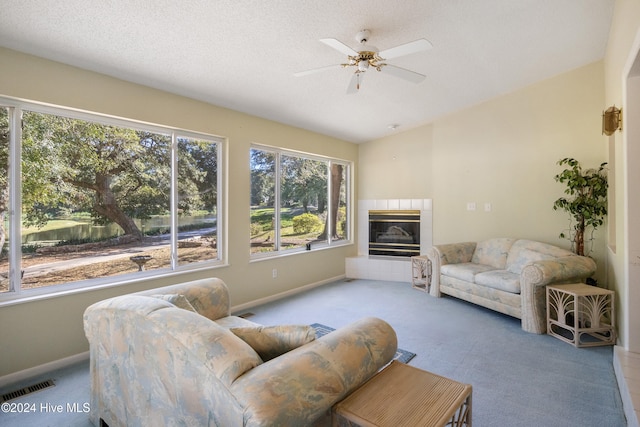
[394, 233]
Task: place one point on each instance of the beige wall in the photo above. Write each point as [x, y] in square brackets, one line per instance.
[502, 152]
[39, 332]
[398, 166]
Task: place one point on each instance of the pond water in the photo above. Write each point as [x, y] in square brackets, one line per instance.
[88, 231]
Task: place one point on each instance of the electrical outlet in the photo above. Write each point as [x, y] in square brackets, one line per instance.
[471, 206]
[274, 273]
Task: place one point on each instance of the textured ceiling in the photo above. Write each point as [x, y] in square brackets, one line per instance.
[242, 54]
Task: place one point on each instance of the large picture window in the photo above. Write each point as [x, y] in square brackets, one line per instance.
[99, 198]
[298, 201]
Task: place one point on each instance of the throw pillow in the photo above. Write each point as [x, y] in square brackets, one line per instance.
[179, 301]
[272, 341]
[492, 252]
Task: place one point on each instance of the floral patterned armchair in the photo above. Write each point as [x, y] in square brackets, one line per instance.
[169, 357]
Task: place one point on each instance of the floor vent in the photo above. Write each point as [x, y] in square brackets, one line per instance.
[245, 315]
[27, 390]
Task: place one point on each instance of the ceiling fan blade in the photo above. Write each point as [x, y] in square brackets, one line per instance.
[406, 49]
[402, 73]
[339, 46]
[355, 83]
[316, 70]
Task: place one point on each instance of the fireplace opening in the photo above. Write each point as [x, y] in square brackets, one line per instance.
[394, 233]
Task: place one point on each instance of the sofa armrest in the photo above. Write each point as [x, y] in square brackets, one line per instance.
[570, 268]
[534, 278]
[453, 253]
[298, 387]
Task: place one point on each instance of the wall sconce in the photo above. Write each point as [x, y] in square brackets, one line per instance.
[611, 120]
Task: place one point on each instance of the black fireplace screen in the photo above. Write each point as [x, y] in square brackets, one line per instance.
[394, 233]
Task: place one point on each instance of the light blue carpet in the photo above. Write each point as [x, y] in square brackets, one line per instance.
[518, 379]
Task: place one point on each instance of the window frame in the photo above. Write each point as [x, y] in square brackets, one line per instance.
[15, 293]
[348, 183]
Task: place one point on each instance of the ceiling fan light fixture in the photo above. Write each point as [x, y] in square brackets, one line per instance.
[369, 56]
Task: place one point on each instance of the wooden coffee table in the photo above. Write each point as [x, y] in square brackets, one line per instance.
[403, 395]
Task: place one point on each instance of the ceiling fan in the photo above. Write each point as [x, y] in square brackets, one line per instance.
[368, 57]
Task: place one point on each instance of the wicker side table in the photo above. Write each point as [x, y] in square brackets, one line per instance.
[404, 396]
[581, 315]
[421, 272]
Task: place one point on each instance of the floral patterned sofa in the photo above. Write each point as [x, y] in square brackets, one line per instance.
[173, 356]
[506, 275]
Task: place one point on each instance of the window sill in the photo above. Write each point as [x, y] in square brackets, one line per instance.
[30, 295]
[261, 256]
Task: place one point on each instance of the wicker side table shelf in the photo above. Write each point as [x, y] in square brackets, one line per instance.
[581, 315]
[420, 272]
[405, 396]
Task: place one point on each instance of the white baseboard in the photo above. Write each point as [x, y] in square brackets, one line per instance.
[285, 294]
[25, 374]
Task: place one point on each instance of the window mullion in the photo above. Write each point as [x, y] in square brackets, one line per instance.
[329, 202]
[277, 206]
[221, 201]
[174, 201]
[15, 199]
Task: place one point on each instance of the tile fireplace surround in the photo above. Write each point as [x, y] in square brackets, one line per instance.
[396, 269]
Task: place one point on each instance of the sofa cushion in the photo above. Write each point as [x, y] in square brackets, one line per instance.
[228, 356]
[464, 271]
[272, 341]
[493, 252]
[179, 301]
[502, 280]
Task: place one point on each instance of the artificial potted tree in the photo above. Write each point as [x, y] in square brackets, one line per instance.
[586, 201]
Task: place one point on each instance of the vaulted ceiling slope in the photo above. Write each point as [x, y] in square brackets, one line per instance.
[242, 54]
